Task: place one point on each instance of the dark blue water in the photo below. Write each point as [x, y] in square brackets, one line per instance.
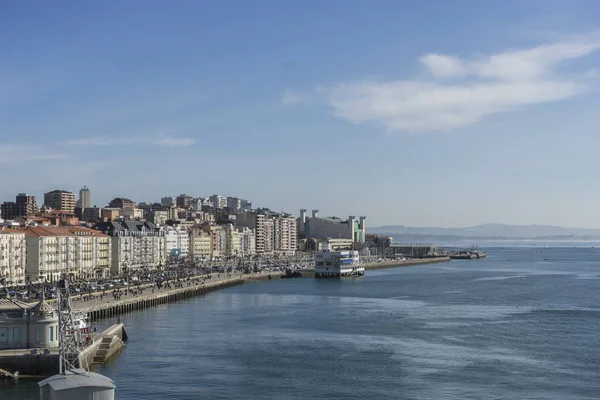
[522, 324]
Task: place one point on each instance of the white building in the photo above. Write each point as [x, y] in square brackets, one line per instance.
[218, 201]
[247, 241]
[135, 244]
[131, 213]
[177, 241]
[81, 252]
[13, 256]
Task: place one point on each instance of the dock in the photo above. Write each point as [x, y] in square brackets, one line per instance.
[26, 363]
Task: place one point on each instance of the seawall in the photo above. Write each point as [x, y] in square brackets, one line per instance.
[45, 362]
[112, 308]
[405, 263]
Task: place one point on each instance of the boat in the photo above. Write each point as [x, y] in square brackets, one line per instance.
[81, 322]
[338, 264]
[291, 274]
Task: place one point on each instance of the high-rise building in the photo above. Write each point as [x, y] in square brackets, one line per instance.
[60, 200]
[218, 201]
[183, 200]
[167, 201]
[26, 205]
[85, 198]
[8, 210]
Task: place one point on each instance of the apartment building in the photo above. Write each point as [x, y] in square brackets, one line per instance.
[247, 241]
[177, 241]
[85, 198]
[232, 245]
[60, 200]
[81, 252]
[218, 201]
[8, 210]
[121, 203]
[13, 253]
[285, 234]
[200, 243]
[183, 200]
[135, 244]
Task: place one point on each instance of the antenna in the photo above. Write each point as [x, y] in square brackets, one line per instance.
[69, 336]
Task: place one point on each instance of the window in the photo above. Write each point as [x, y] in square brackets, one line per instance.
[17, 334]
[52, 334]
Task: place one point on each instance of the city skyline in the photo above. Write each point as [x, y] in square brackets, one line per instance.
[433, 114]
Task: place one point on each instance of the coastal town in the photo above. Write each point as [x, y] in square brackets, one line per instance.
[68, 234]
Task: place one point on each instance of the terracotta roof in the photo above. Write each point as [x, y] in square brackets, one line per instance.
[37, 231]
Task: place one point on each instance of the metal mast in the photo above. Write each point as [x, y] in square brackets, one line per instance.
[69, 336]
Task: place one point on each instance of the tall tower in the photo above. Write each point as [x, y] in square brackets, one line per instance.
[85, 198]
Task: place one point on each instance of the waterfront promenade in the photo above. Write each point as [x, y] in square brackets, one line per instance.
[110, 303]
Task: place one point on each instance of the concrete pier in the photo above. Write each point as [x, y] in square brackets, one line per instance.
[44, 362]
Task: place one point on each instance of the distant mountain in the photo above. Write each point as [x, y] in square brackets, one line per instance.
[491, 231]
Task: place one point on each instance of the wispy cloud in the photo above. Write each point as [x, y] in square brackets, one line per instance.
[173, 141]
[290, 97]
[455, 92]
[163, 140]
[15, 152]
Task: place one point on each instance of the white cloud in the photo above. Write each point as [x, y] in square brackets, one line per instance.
[172, 141]
[290, 97]
[163, 140]
[16, 152]
[458, 92]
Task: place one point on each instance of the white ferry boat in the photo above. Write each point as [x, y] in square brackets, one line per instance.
[338, 264]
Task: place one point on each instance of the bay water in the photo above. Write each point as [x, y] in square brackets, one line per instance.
[523, 323]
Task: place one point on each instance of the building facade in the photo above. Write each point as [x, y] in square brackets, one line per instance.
[26, 204]
[177, 241]
[183, 201]
[23, 326]
[121, 203]
[218, 201]
[60, 200]
[247, 242]
[316, 227]
[134, 245]
[8, 210]
[85, 198]
[285, 235]
[200, 244]
[82, 253]
[13, 257]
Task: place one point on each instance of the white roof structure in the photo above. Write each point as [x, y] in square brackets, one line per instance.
[77, 384]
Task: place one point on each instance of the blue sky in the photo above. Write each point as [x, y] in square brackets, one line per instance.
[416, 113]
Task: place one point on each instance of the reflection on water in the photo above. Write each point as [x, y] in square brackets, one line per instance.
[505, 327]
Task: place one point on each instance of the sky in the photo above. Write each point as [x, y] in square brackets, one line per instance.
[438, 113]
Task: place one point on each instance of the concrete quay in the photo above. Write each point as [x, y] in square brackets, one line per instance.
[404, 263]
[45, 362]
[106, 306]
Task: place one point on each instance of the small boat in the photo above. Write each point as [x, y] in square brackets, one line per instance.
[81, 322]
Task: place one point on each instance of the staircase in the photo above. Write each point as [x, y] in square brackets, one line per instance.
[108, 344]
